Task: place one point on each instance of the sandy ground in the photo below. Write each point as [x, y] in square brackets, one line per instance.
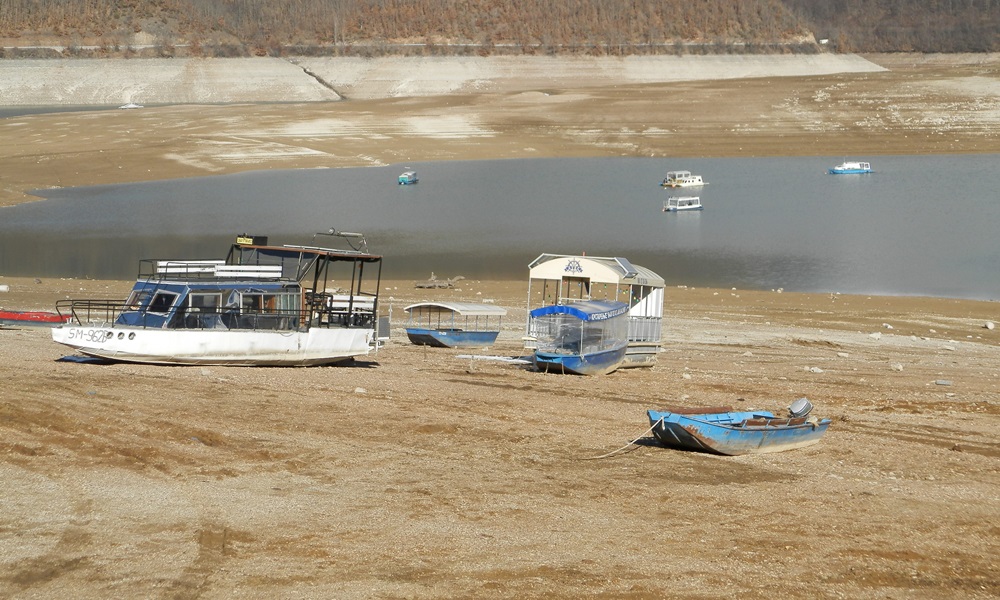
[419, 474]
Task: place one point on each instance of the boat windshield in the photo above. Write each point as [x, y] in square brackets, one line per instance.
[136, 299]
[161, 302]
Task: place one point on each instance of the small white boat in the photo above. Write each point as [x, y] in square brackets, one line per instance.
[851, 168]
[408, 178]
[130, 106]
[682, 203]
[676, 179]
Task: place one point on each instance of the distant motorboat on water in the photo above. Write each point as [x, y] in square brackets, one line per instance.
[682, 203]
[408, 178]
[851, 168]
[130, 106]
[680, 179]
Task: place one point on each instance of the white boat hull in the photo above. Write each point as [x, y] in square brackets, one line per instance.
[686, 184]
[316, 346]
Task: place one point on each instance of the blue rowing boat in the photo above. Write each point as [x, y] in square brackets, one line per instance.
[735, 433]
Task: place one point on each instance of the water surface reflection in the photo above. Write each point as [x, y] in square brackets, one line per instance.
[767, 223]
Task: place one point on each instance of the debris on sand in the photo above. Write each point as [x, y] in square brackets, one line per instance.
[434, 283]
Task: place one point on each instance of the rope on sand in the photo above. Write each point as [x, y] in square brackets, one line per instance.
[628, 445]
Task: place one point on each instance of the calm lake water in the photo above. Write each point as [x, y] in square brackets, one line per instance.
[919, 225]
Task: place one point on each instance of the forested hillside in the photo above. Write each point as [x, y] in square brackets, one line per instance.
[904, 25]
[601, 27]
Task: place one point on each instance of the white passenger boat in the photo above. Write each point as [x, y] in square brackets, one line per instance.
[408, 178]
[679, 179]
[261, 305]
[682, 203]
[851, 168]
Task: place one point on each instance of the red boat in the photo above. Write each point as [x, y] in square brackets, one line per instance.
[32, 317]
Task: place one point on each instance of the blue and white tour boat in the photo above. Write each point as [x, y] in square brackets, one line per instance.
[583, 338]
[569, 279]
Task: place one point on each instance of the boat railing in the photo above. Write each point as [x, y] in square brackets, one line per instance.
[341, 310]
[89, 312]
[112, 314]
[644, 329]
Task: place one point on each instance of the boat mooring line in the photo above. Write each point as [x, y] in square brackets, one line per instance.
[613, 452]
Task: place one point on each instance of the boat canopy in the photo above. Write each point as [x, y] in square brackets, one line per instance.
[465, 309]
[591, 310]
[598, 269]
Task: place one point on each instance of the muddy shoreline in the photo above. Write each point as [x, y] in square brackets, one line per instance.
[419, 474]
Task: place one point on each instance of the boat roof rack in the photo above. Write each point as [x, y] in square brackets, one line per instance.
[208, 269]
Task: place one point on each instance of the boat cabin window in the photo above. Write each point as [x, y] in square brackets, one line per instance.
[204, 302]
[161, 302]
[549, 291]
[269, 303]
[576, 288]
[250, 303]
[136, 299]
[197, 311]
[558, 291]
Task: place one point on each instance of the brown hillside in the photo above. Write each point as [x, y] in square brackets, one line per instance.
[248, 27]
